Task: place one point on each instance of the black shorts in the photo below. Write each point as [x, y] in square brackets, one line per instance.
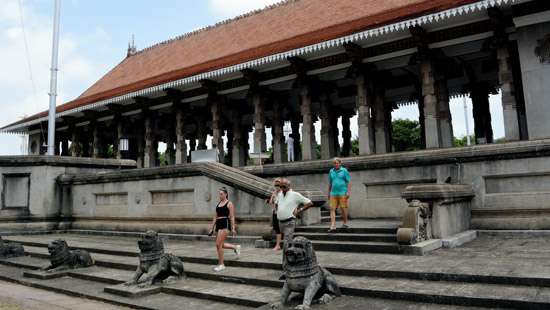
[275, 221]
[223, 223]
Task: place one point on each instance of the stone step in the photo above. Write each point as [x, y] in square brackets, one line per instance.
[202, 278]
[350, 230]
[358, 247]
[93, 290]
[348, 237]
[129, 263]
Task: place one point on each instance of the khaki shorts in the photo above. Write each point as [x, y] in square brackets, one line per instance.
[338, 202]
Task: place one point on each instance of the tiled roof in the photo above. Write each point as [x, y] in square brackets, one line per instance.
[291, 24]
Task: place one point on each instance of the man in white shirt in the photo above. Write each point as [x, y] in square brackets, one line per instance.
[290, 148]
[289, 205]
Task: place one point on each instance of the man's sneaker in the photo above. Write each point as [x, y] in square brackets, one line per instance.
[219, 268]
[344, 226]
[237, 250]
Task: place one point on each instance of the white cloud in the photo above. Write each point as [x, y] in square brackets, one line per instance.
[231, 8]
[75, 69]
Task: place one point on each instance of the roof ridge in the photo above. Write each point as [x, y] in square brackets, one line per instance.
[218, 24]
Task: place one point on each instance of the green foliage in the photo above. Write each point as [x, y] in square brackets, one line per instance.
[355, 147]
[162, 158]
[406, 135]
[463, 141]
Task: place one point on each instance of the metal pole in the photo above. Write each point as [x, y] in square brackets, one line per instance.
[53, 80]
[468, 142]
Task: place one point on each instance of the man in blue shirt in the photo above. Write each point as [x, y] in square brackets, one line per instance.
[339, 187]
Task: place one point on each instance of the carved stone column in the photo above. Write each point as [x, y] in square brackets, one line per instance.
[76, 150]
[482, 114]
[277, 133]
[509, 106]
[201, 133]
[382, 136]
[65, 145]
[217, 134]
[295, 128]
[238, 159]
[181, 146]
[117, 152]
[308, 132]
[327, 131]
[346, 135]
[259, 123]
[364, 121]
[170, 154]
[335, 132]
[431, 117]
[96, 140]
[150, 152]
[192, 146]
[444, 112]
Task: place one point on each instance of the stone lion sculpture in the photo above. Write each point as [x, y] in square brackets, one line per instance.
[61, 258]
[10, 249]
[156, 265]
[303, 275]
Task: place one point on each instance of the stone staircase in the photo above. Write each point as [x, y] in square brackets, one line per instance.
[253, 282]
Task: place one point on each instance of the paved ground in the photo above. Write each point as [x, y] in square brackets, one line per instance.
[19, 297]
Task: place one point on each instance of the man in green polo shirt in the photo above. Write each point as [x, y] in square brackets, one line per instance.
[339, 187]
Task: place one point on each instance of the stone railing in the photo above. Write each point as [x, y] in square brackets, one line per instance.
[435, 211]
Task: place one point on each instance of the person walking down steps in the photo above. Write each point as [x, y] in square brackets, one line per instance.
[223, 223]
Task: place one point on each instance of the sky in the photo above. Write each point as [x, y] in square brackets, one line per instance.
[94, 37]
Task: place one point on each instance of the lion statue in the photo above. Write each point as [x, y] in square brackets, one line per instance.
[10, 249]
[154, 263]
[303, 275]
[61, 258]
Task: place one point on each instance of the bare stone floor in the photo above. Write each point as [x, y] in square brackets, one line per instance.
[491, 271]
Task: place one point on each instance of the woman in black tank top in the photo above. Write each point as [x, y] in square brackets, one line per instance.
[224, 222]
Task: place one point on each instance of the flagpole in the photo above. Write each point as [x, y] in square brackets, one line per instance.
[53, 79]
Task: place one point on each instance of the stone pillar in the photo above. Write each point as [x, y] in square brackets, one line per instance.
[181, 146]
[192, 146]
[117, 152]
[76, 150]
[278, 134]
[308, 131]
[381, 134]
[238, 159]
[217, 132]
[230, 138]
[201, 133]
[259, 123]
[86, 144]
[170, 154]
[96, 140]
[431, 122]
[346, 135]
[482, 115]
[295, 127]
[509, 106]
[421, 120]
[444, 112]
[366, 135]
[327, 131]
[65, 145]
[335, 133]
[149, 152]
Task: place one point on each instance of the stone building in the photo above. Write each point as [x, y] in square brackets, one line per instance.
[305, 61]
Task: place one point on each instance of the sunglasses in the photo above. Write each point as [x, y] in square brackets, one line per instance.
[283, 186]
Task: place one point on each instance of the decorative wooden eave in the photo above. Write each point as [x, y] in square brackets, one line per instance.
[278, 57]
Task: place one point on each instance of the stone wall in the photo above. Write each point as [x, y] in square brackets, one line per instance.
[511, 181]
[30, 197]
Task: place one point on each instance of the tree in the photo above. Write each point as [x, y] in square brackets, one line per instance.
[463, 141]
[406, 135]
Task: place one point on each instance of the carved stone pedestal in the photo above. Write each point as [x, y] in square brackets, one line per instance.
[436, 211]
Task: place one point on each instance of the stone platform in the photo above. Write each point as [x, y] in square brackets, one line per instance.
[491, 272]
